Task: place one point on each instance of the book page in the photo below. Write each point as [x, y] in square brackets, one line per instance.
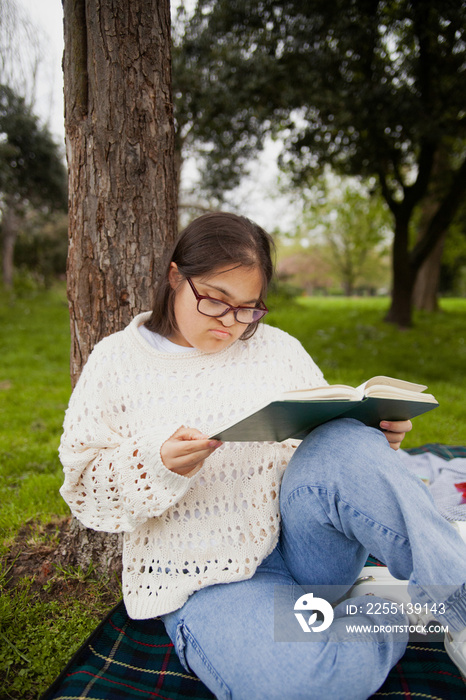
[387, 392]
[334, 391]
[391, 382]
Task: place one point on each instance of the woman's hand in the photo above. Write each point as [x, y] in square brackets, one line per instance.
[185, 451]
[395, 431]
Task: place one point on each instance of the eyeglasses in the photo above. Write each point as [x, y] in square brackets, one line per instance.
[207, 306]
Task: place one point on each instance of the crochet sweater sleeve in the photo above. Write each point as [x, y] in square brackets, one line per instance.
[114, 481]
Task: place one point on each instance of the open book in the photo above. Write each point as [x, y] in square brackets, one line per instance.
[295, 413]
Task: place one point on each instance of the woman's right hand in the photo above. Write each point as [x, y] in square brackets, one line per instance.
[185, 451]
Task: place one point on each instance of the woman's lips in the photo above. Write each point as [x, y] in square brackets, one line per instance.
[220, 333]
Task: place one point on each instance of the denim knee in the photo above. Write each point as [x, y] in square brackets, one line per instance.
[186, 645]
[346, 436]
[342, 448]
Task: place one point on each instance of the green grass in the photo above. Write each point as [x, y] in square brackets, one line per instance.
[34, 392]
[38, 636]
[346, 337]
[351, 343]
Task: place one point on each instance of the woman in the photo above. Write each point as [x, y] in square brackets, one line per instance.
[212, 529]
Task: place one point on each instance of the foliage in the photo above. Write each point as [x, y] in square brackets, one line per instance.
[355, 224]
[19, 68]
[306, 268]
[31, 166]
[32, 174]
[371, 88]
[362, 86]
[213, 111]
[453, 271]
[42, 244]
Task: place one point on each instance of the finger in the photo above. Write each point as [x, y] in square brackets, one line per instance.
[193, 457]
[188, 470]
[184, 460]
[184, 466]
[396, 426]
[394, 439]
[187, 449]
[184, 433]
[195, 448]
[395, 445]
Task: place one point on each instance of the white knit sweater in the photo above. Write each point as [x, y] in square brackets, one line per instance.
[181, 533]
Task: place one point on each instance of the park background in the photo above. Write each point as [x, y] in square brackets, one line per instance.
[334, 235]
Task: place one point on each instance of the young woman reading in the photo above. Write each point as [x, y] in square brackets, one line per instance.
[210, 529]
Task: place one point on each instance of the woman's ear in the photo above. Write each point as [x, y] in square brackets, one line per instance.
[174, 276]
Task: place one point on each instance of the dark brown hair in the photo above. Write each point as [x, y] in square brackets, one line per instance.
[206, 244]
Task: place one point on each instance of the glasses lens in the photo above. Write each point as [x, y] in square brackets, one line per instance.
[212, 307]
[215, 308]
[249, 315]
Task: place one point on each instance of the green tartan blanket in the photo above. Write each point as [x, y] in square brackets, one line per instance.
[129, 659]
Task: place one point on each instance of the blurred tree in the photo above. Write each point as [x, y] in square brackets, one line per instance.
[373, 88]
[32, 173]
[427, 285]
[353, 222]
[453, 270]
[42, 245]
[21, 55]
[212, 106]
[306, 270]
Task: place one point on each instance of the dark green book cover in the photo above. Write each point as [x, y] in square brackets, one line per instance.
[280, 420]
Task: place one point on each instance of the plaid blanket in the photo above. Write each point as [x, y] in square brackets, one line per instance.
[444, 451]
[129, 659]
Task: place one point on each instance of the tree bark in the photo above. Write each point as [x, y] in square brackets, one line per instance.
[122, 184]
[425, 295]
[120, 146]
[428, 278]
[9, 232]
[400, 312]
[406, 263]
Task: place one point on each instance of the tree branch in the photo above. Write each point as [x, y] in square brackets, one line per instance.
[387, 195]
[415, 192]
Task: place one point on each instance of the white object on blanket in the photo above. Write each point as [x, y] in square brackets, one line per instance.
[440, 475]
[460, 525]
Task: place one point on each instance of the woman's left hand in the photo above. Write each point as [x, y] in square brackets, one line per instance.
[395, 431]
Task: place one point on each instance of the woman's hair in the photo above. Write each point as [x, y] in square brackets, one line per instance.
[208, 243]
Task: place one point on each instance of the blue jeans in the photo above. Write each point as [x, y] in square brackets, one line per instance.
[344, 494]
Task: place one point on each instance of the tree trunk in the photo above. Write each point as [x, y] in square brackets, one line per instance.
[119, 143]
[425, 295]
[440, 200]
[400, 311]
[122, 182]
[428, 278]
[9, 232]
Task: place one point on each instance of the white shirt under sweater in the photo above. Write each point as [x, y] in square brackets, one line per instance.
[180, 533]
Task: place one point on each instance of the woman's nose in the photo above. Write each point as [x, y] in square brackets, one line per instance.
[229, 319]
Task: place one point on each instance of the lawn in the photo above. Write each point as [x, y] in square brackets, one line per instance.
[347, 338]
[351, 343]
[34, 392]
